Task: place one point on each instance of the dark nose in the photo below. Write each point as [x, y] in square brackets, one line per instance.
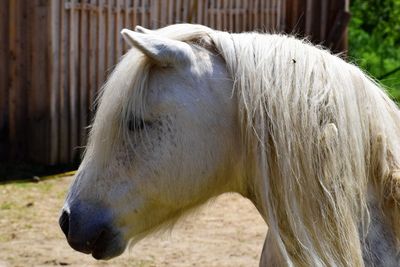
[86, 227]
[64, 222]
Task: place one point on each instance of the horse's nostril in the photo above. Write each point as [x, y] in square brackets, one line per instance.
[64, 222]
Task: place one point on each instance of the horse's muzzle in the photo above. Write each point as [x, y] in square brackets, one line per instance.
[89, 229]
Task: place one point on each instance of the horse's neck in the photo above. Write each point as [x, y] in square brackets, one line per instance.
[379, 247]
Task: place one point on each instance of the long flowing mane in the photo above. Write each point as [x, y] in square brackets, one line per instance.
[317, 130]
[320, 131]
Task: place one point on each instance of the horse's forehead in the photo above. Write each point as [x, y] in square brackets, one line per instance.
[168, 87]
[172, 85]
[201, 67]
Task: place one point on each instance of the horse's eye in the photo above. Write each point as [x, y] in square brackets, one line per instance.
[136, 124]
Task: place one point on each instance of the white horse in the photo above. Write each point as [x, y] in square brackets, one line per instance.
[190, 113]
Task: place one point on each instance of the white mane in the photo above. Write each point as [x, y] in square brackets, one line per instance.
[320, 130]
[317, 132]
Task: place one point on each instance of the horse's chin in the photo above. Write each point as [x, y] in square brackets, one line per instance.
[106, 249]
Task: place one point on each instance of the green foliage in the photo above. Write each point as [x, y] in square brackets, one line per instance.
[374, 40]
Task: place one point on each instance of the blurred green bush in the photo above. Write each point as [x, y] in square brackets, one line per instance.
[374, 40]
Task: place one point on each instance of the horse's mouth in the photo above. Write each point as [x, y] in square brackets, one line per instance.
[107, 246]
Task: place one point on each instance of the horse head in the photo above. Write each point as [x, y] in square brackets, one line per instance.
[164, 140]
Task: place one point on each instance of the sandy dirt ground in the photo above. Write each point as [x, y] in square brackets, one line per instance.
[225, 232]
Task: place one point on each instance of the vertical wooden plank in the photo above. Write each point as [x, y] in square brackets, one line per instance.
[333, 9]
[282, 23]
[185, 11]
[37, 81]
[231, 12]
[139, 12]
[135, 13]
[324, 19]
[337, 37]
[256, 25]
[291, 14]
[171, 18]
[215, 13]
[117, 29]
[269, 10]
[162, 13]
[97, 52]
[54, 77]
[109, 36]
[343, 46]
[64, 144]
[249, 18]
[211, 13]
[154, 14]
[299, 16]
[125, 23]
[309, 17]
[143, 13]
[219, 15]
[148, 13]
[93, 57]
[199, 16]
[188, 11]
[289, 9]
[178, 11]
[206, 13]
[261, 17]
[268, 15]
[83, 72]
[12, 74]
[278, 12]
[316, 22]
[4, 67]
[225, 15]
[73, 73]
[238, 8]
[32, 81]
[132, 14]
[14, 42]
[130, 17]
[252, 20]
[18, 77]
[101, 41]
[245, 16]
[34, 120]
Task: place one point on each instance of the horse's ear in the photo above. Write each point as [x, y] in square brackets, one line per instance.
[161, 50]
[143, 30]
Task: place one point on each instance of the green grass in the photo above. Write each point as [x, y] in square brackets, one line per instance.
[6, 206]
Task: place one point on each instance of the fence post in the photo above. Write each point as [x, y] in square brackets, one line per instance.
[4, 109]
[53, 77]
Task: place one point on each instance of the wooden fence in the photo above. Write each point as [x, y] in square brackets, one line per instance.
[56, 54]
